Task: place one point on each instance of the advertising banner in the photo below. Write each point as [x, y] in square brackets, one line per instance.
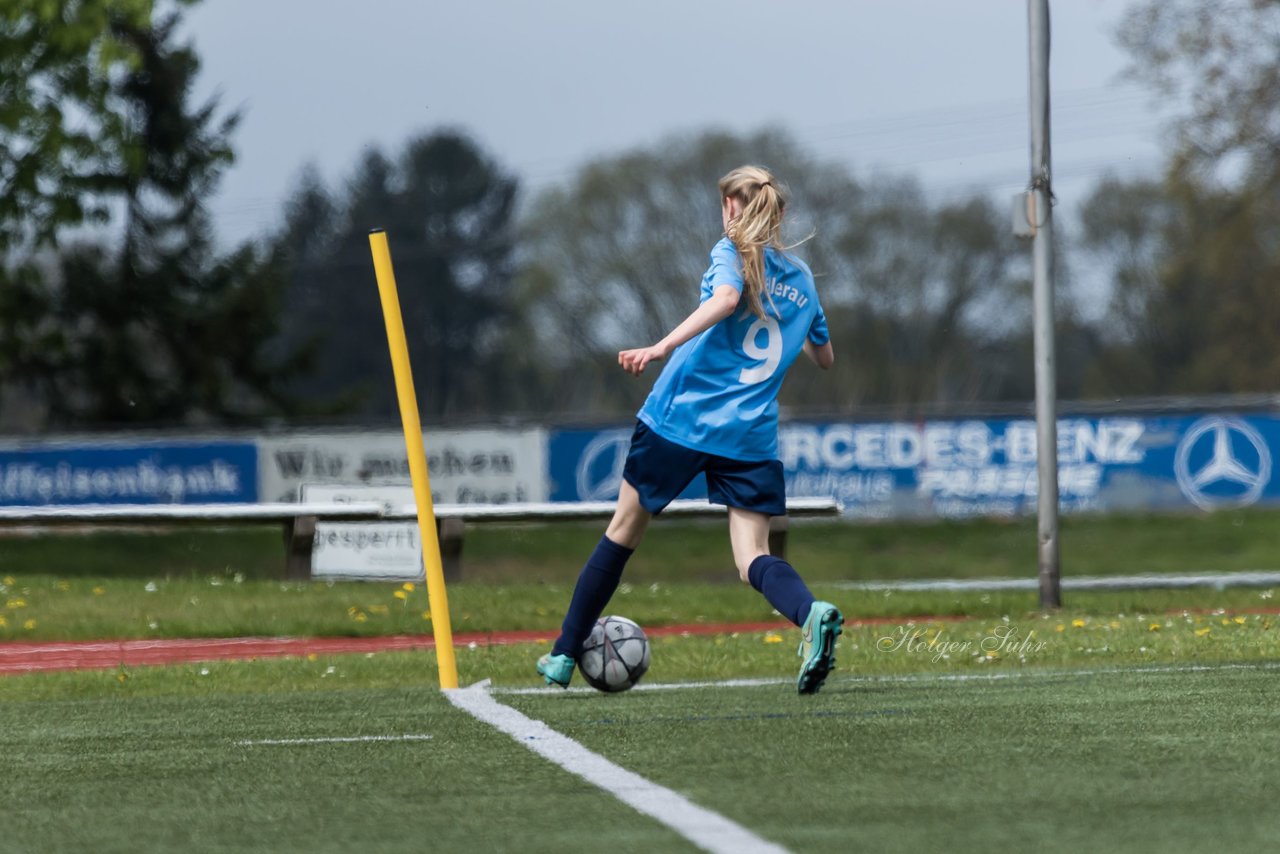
[483, 466]
[957, 469]
[122, 472]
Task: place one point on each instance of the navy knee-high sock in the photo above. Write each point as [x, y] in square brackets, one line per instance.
[596, 583]
[782, 586]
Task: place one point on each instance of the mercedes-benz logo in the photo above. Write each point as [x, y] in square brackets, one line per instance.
[1236, 470]
[599, 474]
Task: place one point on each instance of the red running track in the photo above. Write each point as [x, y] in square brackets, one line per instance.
[91, 655]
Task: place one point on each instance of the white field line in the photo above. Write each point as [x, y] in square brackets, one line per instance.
[1162, 581]
[923, 677]
[708, 830]
[334, 740]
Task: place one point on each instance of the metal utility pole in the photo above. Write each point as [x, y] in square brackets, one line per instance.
[1040, 218]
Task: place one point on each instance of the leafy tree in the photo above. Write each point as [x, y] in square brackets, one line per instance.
[446, 208]
[1218, 63]
[939, 287]
[1194, 254]
[58, 124]
[145, 321]
[1194, 308]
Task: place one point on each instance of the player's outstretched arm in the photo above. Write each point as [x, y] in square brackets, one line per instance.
[717, 307]
[824, 357]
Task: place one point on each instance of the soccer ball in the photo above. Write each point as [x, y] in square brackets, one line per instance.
[615, 656]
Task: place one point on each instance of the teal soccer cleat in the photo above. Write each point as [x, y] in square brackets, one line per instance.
[557, 669]
[818, 646]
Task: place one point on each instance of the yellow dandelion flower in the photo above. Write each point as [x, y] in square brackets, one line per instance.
[120, 677]
[379, 609]
[772, 638]
[311, 656]
[98, 591]
[408, 587]
[1154, 627]
[3, 621]
[426, 615]
[14, 604]
[1225, 621]
[353, 610]
[1202, 632]
[1240, 621]
[400, 594]
[29, 625]
[360, 618]
[1060, 628]
[8, 580]
[64, 586]
[1078, 623]
[1115, 624]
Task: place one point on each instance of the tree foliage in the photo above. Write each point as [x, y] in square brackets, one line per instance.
[1194, 255]
[935, 289]
[60, 123]
[446, 208]
[1194, 309]
[1218, 61]
[142, 321]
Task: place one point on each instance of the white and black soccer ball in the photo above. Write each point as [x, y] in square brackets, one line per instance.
[615, 656]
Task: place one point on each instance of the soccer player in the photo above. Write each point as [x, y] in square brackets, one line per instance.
[714, 410]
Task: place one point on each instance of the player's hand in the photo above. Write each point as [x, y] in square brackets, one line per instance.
[634, 361]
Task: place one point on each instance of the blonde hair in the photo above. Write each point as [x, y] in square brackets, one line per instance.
[757, 225]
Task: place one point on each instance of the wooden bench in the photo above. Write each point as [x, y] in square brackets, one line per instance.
[300, 520]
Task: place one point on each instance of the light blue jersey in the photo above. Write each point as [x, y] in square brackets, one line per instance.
[718, 392]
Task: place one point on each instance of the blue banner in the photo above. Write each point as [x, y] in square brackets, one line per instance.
[117, 473]
[986, 467]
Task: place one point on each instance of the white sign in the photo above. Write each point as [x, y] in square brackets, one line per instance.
[488, 466]
[369, 550]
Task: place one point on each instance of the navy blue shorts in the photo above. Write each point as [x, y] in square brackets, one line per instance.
[660, 470]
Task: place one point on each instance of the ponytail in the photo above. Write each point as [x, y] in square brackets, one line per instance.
[757, 225]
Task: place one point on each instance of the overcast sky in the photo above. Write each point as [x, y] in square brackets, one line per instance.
[934, 88]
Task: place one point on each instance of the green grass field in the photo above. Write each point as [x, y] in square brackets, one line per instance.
[1154, 758]
[1128, 721]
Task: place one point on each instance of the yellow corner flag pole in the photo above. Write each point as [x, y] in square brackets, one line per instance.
[431, 565]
